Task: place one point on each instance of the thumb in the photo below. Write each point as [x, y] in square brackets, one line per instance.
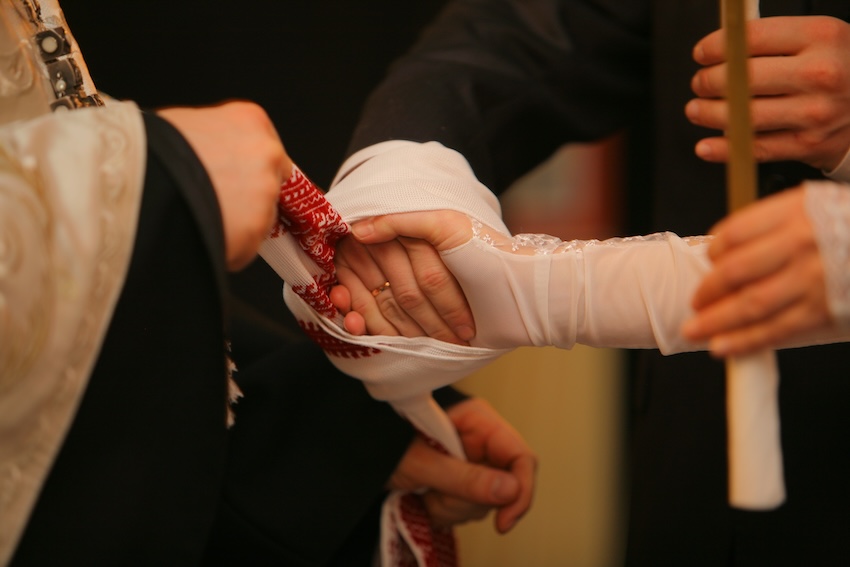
[429, 467]
[443, 229]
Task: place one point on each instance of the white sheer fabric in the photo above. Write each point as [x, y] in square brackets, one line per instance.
[538, 290]
[828, 207]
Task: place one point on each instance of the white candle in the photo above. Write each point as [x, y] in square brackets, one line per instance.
[756, 478]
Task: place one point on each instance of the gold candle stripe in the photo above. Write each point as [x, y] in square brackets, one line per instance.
[741, 167]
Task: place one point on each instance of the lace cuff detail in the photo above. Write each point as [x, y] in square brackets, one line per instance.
[531, 244]
[828, 207]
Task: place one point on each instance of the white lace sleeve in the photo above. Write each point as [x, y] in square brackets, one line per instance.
[538, 290]
[828, 207]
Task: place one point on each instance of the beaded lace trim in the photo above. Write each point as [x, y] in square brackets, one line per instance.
[544, 244]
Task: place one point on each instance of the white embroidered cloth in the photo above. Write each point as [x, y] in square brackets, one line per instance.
[402, 371]
[301, 249]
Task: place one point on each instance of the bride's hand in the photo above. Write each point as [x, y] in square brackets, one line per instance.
[421, 298]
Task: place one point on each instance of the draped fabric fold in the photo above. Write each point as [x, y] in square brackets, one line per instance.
[400, 370]
[403, 371]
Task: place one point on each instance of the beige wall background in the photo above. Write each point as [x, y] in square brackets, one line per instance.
[569, 405]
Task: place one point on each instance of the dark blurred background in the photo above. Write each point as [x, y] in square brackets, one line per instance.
[309, 63]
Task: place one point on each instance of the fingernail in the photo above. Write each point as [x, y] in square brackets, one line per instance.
[703, 150]
[504, 488]
[699, 53]
[465, 332]
[362, 229]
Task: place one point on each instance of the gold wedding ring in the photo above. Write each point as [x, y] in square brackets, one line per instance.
[380, 288]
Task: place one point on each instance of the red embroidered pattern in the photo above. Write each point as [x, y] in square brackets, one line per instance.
[309, 217]
[437, 546]
[333, 346]
[316, 294]
[305, 214]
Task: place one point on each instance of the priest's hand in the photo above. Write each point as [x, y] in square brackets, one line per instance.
[240, 149]
[500, 473]
[800, 81]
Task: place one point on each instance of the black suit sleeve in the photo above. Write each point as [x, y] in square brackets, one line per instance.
[310, 453]
[506, 82]
[137, 479]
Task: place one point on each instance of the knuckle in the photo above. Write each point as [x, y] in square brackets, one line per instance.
[702, 83]
[253, 116]
[826, 74]
[731, 275]
[390, 308]
[250, 110]
[808, 141]
[361, 303]
[434, 279]
[408, 298]
[754, 304]
[818, 112]
[800, 239]
[830, 30]
[749, 340]
[762, 150]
